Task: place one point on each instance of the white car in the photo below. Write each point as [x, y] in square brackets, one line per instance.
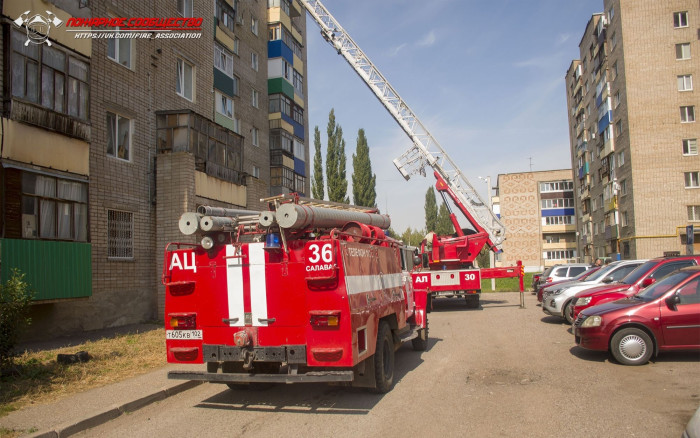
[558, 300]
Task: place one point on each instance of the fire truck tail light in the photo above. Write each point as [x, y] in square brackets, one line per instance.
[185, 354]
[183, 321]
[323, 320]
[180, 288]
[327, 354]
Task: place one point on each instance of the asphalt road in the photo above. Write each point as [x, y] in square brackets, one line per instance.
[499, 371]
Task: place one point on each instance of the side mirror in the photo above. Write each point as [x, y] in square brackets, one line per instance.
[417, 260]
[609, 279]
[673, 301]
[648, 282]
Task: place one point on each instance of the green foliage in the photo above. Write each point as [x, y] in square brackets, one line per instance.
[15, 298]
[431, 210]
[317, 188]
[412, 237]
[364, 183]
[335, 162]
[484, 258]
[444, 224]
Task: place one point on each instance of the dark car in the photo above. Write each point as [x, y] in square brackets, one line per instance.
[645, 275]
[664, 316]
[580, 277]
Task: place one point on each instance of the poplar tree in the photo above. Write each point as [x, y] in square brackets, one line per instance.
[431, 210]
[317, 187]
[336, 181]
[363, 181]
[444, 224]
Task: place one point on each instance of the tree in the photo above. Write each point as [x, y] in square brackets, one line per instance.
[444, 224]
[335, 162]
[431, 210]
[364, 191]
[317, 188]
[15, 299]
[412, 237]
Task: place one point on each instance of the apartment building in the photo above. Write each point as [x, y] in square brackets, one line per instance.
[537, 209]
[106, 142]
[631, 106]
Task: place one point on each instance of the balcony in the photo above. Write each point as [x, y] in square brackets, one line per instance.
[608, 148]
[37, 115]
[611, 232]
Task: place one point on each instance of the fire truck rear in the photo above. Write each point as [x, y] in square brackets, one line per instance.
[305, 292]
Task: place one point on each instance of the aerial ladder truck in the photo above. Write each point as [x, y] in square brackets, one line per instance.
[450, 259]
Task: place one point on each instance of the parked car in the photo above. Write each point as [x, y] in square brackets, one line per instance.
[563, 272]
[557, 301]
[664, 316]
[535, 280]
[645, 275]
[551, 286]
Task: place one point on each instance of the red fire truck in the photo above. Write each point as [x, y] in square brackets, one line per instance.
[305, 292]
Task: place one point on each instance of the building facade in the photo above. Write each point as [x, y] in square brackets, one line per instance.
[108, 141]
[537, 209]
[631, 105]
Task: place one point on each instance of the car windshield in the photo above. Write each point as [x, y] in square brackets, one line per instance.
[638, 273]
[661, 287]
[583, 275]
[547, 271]
[602, 272]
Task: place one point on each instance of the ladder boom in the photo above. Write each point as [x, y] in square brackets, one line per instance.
[426, 151]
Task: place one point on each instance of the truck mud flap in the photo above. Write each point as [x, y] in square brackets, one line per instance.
[310, 377]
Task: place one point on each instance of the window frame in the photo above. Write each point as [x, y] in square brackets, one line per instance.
[685, 82]
[681, 52]
[117, 43]
[254, 61]
[183, 10]
[181, 77]
[222, 101]
[116, 146]
[688, 144]
[688, 114]
[678, 18]
[127, 251]
[692, 179]
[221, 54]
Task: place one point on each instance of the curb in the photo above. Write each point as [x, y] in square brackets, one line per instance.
[68, 429]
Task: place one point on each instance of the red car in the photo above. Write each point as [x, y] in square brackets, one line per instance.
[664, 316]
[580, 277]
[643, 276]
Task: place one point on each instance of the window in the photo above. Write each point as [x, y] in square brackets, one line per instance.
[558, 220]
[614, 71]
[680, 19]
[54, 208]
[683, 51]
[556, 186]
[595, 228]
[298, 115]
[236, 43]
[298, 81]
[694, 212]
[613, 40]
[254, 61]
[621, 159]
[557, 203]
[225, 15]
[185, 79]
[185, 7]
[618, 128]
[50, 77]
[279, 103]
[624, 221]
[119, 50]
[256, 172]
[687, 114]
[120, 234]
[280, 139]
[690, 146]
[685, 82]
[223, 60]
[611, 13]
[224, 105]
[692, 180]
[617, 99]
[623, 187]
[560, 255]
[255, 98]
[254, 25]
[254, 134]
[282, 176]
[236, 81]
[118, 136]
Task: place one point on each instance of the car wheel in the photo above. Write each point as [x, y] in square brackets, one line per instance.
[631, 346]
[569, 312]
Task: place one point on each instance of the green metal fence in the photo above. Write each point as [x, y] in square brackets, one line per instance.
[54, 270]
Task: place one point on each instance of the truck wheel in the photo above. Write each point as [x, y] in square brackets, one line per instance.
[384, 359]
[568, 312]
[472, 301]
[421, 342]
[631, 346]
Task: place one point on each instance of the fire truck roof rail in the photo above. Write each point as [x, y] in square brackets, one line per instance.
[292, 197]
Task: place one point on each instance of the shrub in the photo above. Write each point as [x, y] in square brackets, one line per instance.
[15, 298]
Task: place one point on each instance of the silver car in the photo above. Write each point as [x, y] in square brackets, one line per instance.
[557, 300]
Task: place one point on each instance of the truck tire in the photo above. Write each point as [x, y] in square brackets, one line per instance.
[632, 346]
[421, 342]
[384, 359]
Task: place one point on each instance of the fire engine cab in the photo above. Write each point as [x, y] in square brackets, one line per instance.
[308, 291]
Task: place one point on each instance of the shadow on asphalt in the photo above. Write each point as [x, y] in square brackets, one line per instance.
[589, 355]
[314, 398]
[457, 304]
[554, 320]
[663, 357]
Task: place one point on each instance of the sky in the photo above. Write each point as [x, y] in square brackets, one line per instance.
[486, 78]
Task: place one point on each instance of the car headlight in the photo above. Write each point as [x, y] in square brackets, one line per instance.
[557, 292]
[592, 321]
[583, 301]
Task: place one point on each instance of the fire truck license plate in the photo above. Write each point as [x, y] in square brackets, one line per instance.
[183, 334]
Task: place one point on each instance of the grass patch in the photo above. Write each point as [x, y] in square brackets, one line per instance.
[507, 284]
[40, 379]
